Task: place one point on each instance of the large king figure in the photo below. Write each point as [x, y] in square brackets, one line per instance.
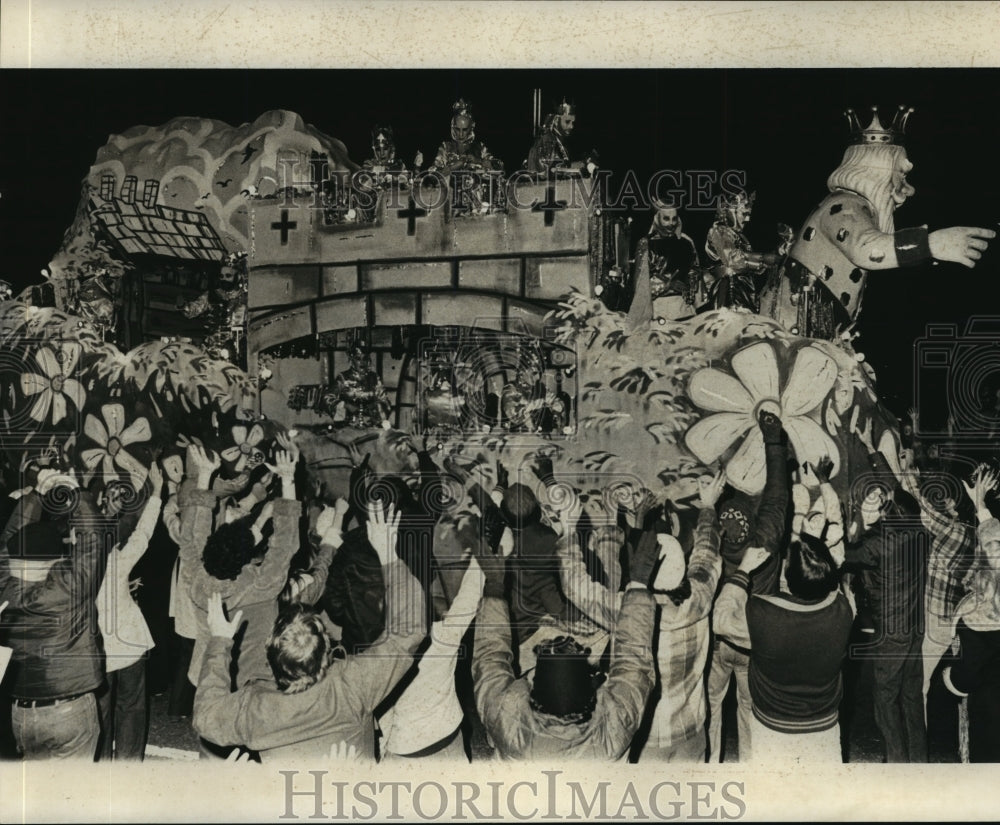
[819, 290]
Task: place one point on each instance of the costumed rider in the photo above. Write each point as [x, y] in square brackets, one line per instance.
[467, 164]
[819, 290]
[736, 265]
[381, 171]
[359, 398]
[550, 151]
[675, 276]
[527, 405]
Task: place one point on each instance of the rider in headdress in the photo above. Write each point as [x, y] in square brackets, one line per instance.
[551, 149]
[736, 264]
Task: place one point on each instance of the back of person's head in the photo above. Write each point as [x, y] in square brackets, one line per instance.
[810, 571]
[564, 683]
[520, 507]
[45, 540]
[229, 549]
[300, 649]
[736, 520]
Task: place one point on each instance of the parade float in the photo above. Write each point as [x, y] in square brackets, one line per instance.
[216, 282]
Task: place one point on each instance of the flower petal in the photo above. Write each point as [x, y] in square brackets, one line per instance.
[256, 435]
[712, 436]
[92, 456]
[239, 434]
[58, 407]
[757, 368]
[41, 408]
[230, 453]
[48, 362]
[71, 355]
[114, 415]
[95, 431]
[133, 467]
[717, 391]
[890, 449]
[137, 431]
[32, 384]
[73, 389]
[813, 375]
[747, 469]
[811, 443]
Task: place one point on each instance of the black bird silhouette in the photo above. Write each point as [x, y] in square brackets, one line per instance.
[204, 196]
[247, 151]
[224, 183]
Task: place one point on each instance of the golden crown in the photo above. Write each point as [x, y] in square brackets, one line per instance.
[876, 132]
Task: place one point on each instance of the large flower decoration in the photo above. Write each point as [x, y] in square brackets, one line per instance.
[54, 385]
[113, 437]
[737, 402]
[245, 450]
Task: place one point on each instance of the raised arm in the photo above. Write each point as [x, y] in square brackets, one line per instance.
[592, 598]
[373, 674]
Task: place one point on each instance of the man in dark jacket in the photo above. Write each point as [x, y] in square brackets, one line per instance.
[51, 580]
[892, 555]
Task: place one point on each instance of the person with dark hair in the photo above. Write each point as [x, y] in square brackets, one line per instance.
[535, 589]
[311, 701]
[48, 579]
[742, 523]
[890, 550]
[233, 559]
[561, 710]
[797, 635]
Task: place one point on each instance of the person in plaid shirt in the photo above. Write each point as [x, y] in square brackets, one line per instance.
[952, 552]
[684, 594]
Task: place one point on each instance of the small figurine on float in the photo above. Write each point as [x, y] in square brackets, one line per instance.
[361, 398]
[675, 276]
[550, 151]
[467, 165]
[736, 265]
[818, 291]
[384, 169]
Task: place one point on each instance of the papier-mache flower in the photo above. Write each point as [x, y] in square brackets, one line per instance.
[245, 448]
[54, 385]
[736, 401]
[113, 436]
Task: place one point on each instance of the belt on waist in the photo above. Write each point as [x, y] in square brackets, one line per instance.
[46, 703]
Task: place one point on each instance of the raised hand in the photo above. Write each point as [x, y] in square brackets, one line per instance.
[770, 427]
[864, 433]
[201, 463]
[284, 464]
[383, 530]
[754, 557]
[218, 625]
[709, 489]
[960, 244]
[325, 520]
[823, 469]
[156, 479]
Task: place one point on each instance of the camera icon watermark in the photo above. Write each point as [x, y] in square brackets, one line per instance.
[963, 372]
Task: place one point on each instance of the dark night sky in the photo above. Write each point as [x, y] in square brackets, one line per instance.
[783, 128]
